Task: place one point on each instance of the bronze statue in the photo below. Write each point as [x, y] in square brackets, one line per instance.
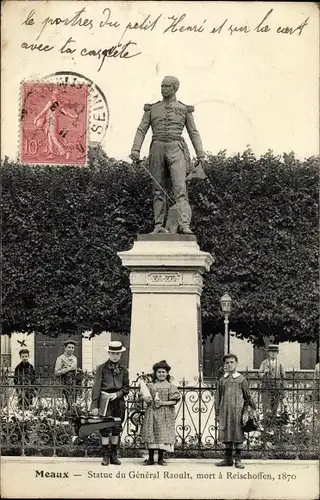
[169, 158]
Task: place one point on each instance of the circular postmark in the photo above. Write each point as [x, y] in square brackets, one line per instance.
[98, 110]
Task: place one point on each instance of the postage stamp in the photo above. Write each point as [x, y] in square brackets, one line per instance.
[54, 123]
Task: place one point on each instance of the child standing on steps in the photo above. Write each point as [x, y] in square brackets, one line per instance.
[158, 431]
[232, 397]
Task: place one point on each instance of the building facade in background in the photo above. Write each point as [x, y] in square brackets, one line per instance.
[90, 352]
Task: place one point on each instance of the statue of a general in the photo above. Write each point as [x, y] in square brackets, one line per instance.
[169, 158]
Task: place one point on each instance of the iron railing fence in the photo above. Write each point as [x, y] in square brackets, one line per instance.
[36, 419]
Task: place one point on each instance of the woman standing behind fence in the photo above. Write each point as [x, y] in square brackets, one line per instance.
[232, 396]
[158, 430]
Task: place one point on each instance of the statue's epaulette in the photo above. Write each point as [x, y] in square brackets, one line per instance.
[190, 109]
[147, 107]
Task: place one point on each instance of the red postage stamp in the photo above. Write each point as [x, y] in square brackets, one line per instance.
[54, 123]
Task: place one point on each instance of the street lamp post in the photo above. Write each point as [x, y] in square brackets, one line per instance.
[226, 303]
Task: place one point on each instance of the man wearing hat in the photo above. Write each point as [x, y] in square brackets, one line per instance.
[66, 369]
[111, 384]
[169, 156]
[272, 373]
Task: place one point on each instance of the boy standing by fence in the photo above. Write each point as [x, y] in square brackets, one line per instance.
[66, 369]
[24, 376]
[232, 396]
[272, 373]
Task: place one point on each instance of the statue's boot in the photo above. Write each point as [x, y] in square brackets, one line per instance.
[185, 229]
[159, 229]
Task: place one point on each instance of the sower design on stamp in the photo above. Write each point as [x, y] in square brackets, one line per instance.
[54, 124]
[98, 110]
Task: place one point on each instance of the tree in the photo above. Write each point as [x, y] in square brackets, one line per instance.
[63, 227]
[261, 223]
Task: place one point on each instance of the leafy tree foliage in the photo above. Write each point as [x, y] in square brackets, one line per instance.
[63, 227]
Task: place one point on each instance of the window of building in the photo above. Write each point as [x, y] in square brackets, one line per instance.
[212, 356]
[5, 351]
[308, 356]
[47, 349]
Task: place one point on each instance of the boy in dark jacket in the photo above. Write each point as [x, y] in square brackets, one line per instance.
[112, 385]
[24, 376]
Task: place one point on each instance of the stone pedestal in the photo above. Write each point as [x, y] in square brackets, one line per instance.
[166, 283]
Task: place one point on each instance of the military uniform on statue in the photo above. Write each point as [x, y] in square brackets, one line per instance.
[110, 387]
[169, 158]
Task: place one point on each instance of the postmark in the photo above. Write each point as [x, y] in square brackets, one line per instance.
[98, 109]
[61, 115]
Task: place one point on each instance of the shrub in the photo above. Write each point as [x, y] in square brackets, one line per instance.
[63, 227]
